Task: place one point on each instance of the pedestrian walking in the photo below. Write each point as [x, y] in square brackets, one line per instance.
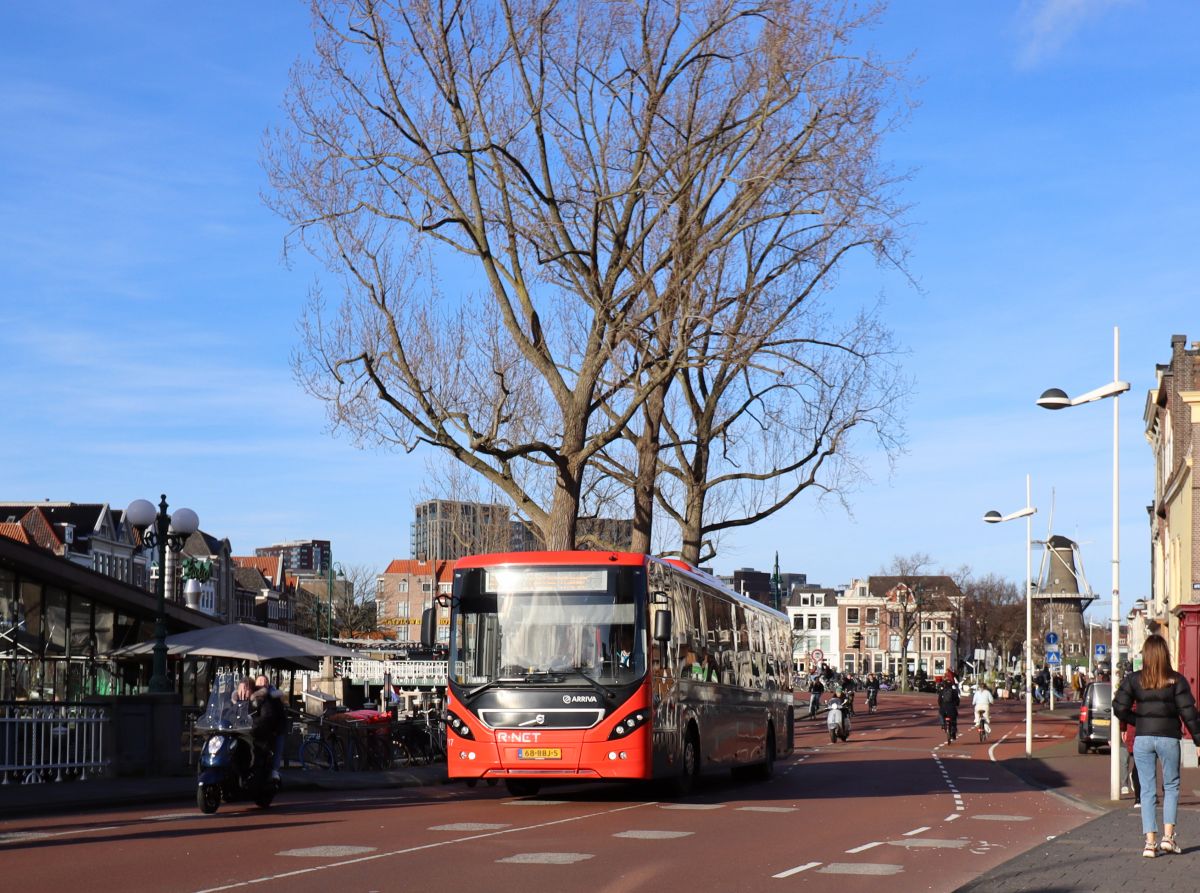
[814, 697]
[1156, 699]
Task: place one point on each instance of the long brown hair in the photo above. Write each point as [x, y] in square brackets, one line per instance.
[1156, 663]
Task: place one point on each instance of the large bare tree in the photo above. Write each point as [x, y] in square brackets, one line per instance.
[524, 202]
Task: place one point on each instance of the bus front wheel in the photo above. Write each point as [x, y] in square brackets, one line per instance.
[684, 783]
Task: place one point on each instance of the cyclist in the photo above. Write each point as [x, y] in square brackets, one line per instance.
[872, 692]
[981, 702]
[948, 706]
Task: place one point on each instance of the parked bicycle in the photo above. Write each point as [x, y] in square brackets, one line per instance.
[322, 748]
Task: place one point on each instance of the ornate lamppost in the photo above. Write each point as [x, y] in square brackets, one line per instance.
[160, 530]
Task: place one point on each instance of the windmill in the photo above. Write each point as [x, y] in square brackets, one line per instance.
[1063, 594]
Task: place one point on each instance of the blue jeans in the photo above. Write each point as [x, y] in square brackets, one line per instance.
[1147, 751]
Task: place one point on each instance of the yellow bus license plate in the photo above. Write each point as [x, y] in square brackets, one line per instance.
[539, 753]
[1101, 722]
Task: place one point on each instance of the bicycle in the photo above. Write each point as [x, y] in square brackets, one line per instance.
[950, 726]
[322, 748]
[985, 727]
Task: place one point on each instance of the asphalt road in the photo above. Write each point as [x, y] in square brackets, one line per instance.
[895, 801]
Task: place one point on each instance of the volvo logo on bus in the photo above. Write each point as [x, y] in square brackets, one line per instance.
[579, 699]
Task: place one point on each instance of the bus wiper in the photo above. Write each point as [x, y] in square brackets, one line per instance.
[599, 686]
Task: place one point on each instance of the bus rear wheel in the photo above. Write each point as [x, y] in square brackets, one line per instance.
[766, 769]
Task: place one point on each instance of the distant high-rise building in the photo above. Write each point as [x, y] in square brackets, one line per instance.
[300, 556]
[447, 529]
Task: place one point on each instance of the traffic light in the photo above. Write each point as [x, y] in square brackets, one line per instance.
[856, 642]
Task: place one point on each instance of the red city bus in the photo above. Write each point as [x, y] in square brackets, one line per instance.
[610, 666]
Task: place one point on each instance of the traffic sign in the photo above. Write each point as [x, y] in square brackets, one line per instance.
[1054, 648]
[1051, 638]
[1054, 658]
[817, 654]
[1101, 650]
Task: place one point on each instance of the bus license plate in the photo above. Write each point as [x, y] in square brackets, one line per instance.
[1101, 722]
[539, 753]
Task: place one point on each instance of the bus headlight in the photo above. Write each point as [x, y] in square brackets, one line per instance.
[630, 723]
[460, 728]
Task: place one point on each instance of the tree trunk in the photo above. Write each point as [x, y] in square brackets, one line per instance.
[648, 442]
[692, 529]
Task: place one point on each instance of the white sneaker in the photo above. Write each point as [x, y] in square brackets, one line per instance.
[1138, 805]
[1124, 789]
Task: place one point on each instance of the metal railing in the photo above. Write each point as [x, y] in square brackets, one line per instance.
[402, 672]
[51, 742]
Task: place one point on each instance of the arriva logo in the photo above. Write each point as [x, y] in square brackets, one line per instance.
[579, 699]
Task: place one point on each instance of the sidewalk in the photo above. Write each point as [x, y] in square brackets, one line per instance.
[1105, 853]
[105, 793]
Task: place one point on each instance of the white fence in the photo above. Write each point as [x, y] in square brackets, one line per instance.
[402, 672]
[51, 742]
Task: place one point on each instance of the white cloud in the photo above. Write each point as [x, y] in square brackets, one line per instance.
[1048, 24]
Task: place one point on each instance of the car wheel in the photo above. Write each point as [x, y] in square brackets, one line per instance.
[1083, 747]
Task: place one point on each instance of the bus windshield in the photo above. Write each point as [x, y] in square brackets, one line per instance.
[551, 624]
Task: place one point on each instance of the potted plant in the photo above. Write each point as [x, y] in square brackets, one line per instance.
[196, 572]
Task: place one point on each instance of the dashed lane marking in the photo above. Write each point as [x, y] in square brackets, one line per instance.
[930, 843]
[768, 809]
[653, 835]
[546, 858]
[169, 816]
[799, 868]
[1001, 818]
[696, 806]
[871, 868]
[952, 817]
[865, 847]
[920, 830]
[470, 826]
[421, 847]
[22, 836]
[327, 852]
[974, 778]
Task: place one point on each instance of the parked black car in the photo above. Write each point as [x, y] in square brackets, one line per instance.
[1095, 716]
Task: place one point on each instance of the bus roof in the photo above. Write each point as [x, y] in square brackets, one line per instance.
[493, 559]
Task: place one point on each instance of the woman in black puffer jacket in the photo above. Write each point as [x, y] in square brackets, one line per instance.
[1157, 700]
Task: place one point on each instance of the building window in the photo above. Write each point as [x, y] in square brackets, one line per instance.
[848, 663]
[811, 620]
[872, 638]
[819, 601]
[404, 585]
[852, 616]
[825, 622]
[894, 642]
[872, 615]
[941, 625]
[927, 643]
[941, 643]
[798, 622]
[805, 601]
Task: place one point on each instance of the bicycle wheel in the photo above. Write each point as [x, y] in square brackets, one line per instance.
[337, 748]
[315, 754]
[379, 752]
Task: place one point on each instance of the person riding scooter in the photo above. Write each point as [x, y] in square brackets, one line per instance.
[837, 719]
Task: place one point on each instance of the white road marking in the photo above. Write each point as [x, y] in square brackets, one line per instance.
[20, 836]
[420, 847]
[865, 847]
[768, 809]
[547, 858]
[799, 868]
[470, 826]
[920, 830]
[653, 835]
[325, 852]
[930, 842]
[170, 816]
[691, 805]
[952, 817]
[992, 749]
[974, 778]
[1001, 818]
[877, 868]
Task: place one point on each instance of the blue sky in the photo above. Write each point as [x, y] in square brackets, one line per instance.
[147, 315]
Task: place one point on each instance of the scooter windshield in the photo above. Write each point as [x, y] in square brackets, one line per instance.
[226, 710]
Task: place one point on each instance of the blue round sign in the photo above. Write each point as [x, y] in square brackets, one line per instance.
[1051, 638]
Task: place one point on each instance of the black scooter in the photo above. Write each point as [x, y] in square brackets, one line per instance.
[231, 767]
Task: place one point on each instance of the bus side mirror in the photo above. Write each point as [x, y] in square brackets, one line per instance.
[429, 627]
[662, 626]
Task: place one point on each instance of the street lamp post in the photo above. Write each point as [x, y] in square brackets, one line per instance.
[329, 600]
[995, 518]
[168, 531]
[1058, 399]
